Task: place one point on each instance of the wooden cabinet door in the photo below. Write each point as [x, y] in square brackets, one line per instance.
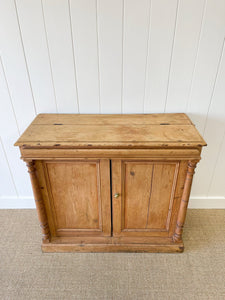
[146, 196]
[77, 196]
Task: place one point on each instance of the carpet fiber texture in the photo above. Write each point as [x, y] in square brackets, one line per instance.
[27, 273]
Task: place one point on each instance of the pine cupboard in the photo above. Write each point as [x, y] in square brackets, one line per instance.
[111, 182]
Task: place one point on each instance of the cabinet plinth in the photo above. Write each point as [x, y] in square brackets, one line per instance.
[111, 183]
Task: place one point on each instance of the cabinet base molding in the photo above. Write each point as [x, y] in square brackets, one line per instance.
[164, 246]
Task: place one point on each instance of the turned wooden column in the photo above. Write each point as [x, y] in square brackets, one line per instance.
[184, 201]
[39, 202]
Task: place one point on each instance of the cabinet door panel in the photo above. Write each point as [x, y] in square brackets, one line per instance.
[78, 202]
[147, 191]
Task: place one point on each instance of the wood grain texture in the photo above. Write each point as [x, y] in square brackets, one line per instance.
[111, 119]
[155, 154]
[39, 202]
[75, 191]
[110, 199]
[79, 197]
[146, 198]
[137, 185]
[140, 248]
[184, 201]
[162, 195]
[125, 135]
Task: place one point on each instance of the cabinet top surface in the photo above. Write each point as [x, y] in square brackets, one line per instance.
[111, 131]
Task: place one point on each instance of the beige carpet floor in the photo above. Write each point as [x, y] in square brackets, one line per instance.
[27, 273]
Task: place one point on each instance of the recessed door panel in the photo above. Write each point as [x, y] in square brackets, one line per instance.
[146, 190]
[79, 205]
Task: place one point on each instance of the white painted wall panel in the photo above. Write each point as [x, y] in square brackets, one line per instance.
[104, 56]
[7, 186]
[135, 40]
[161, 39]
[85, 39]
[110, 34]
[59, 32]
[217, 186]
[188, 28]
[30, 18]
[213, 132]
[207, 60]
[15, 66]
[9, 132]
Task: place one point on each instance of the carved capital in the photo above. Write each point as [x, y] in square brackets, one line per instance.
[31, 166]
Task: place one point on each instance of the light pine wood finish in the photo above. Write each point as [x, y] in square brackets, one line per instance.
[184, 201]
[111, 131]
[82, 189]
[39, 202]
[111, 182]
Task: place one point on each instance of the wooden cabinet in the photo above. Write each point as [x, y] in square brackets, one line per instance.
[111, 182]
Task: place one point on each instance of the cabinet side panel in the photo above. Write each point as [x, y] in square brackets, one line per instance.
[75, 192]
[45, 193]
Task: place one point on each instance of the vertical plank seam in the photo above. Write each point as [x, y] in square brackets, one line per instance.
[196, 56]
[150, 194]
[171, 55]
[214, 86]
[10, 96]
[49, 57]
[25, 59]
[147, 54]
[7, 161]
[74, 59]
[215, 165]
[99, 195]
[122, 52]
[98, 53]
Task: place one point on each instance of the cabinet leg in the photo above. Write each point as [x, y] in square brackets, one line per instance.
[39, 202]
[177, 237]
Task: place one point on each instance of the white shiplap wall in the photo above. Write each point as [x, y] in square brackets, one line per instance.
[112, 56]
